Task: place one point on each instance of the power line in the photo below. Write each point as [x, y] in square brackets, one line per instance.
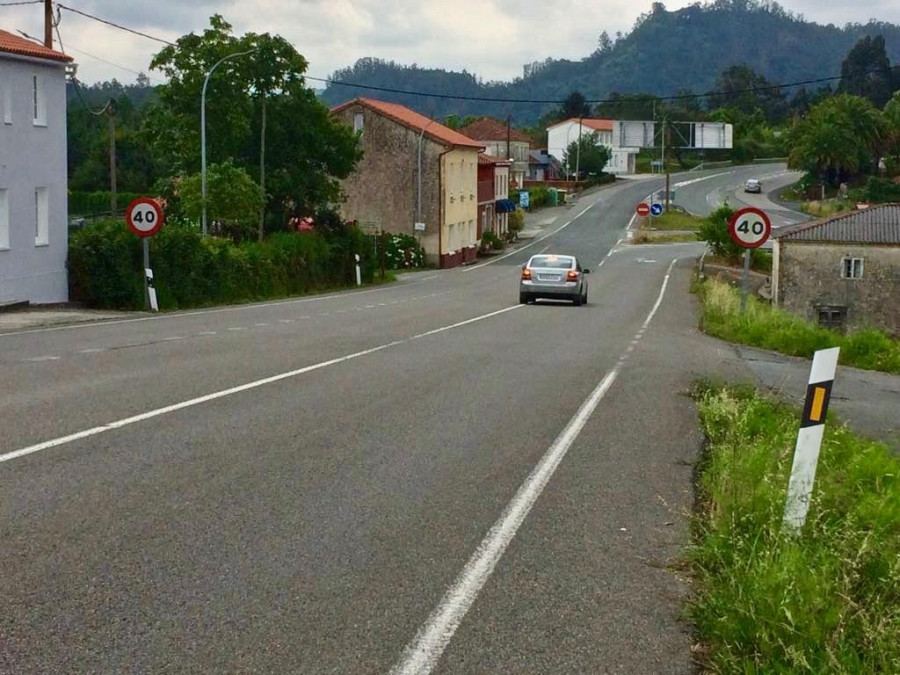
[23, 2]
[492, 99]
[115, 25]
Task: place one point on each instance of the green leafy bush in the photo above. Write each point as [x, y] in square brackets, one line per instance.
[714, 231]
[191, 270]
[825, 602]
[515, 221]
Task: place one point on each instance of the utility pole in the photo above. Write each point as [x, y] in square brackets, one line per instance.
[113, 200]
[262, 169]
[578, 154]
[48, 24]
[665, 158]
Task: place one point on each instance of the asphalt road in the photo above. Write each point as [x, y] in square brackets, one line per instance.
[423, 477]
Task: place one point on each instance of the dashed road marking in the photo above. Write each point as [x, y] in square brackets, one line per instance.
[41, 359]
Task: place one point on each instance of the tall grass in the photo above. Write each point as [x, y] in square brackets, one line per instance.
[826, 602]
[772, 328]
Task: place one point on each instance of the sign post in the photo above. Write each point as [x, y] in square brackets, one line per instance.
[809, 438]
[358, 275]
[144, 218]
[749, 228]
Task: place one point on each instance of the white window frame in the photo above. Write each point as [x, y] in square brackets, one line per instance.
[41, 216]
[38, 100]
[4, 219]
[358, 122]
[6, 95]
[852, 268]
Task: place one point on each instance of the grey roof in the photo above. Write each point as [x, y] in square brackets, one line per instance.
[878, 224]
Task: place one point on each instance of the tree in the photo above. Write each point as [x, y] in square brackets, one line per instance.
[575, 105]
[307, 151]
[604, 43]
[233, 199]
[742, 88]
[892, 133]
[867, 72]
[592, 158]
[841, 137]
[628, 106]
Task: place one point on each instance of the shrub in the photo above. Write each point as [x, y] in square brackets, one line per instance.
[88, 203]
[402, 251]
[881, 190]
[827, 601]
[516, 221]
[714, 231]
[191, 270]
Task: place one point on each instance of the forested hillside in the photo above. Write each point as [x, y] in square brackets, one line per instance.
[665, 53]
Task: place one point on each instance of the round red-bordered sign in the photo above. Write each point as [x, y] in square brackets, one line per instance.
[144, 216]
[750, 227]
[643, 209]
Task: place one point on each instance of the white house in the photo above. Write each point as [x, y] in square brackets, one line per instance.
[562, 134]
[33, 182]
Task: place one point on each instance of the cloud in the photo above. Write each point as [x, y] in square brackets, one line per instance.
[490, 38]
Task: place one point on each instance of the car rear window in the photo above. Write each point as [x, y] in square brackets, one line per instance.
[552, 261]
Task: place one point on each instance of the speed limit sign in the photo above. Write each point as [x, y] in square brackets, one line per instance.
[144, 216]
[750, 227]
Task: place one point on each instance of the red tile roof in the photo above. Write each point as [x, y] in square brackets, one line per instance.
[489, 129]
[595, 123]
[485, 160]
[410, 118]
[13, 44]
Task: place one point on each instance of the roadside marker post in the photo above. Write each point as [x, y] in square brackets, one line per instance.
[809, 438]
[749, 228]
[358, 275]
[144, 218]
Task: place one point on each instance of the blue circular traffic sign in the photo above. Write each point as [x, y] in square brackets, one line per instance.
[656, 209]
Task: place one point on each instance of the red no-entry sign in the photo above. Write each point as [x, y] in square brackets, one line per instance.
[643, 209]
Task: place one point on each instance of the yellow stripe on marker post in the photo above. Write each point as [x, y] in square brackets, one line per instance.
[809, 439]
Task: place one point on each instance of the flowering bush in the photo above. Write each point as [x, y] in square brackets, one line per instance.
[402, 251]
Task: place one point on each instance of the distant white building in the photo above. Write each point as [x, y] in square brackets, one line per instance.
[562, 134]
[33, 176]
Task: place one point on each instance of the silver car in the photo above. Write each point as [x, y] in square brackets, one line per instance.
[753, 185]
[556, 277]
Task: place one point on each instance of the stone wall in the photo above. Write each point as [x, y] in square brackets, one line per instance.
[809, 278]
[383, 189]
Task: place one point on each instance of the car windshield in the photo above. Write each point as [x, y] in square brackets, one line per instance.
[552, 261]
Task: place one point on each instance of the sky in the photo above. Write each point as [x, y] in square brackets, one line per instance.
[489, 38]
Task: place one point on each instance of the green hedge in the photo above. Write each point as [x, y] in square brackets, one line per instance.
[88, 203]
[192, 271]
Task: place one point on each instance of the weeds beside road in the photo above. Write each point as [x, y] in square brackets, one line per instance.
[772, 328]
[828, 601]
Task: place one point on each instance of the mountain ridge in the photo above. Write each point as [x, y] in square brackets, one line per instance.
[666, 52]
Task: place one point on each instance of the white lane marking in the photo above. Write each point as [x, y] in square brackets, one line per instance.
[685, 183]
[306, 316]
[285, 321]
[173, 338]
[180, 315]
[238, 389]
[261, 324]
[423, 653]
[370, 306]
[40, 359]
[92, 350]
[536, 241]
[236, 328]
[434, 276]
[206, 333]
[544, 249]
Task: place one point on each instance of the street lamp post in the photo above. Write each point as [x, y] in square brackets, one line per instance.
[203, 132]
[419, 176]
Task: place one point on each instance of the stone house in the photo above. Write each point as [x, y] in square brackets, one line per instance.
[502, 141]
[842, 272]
[33, 175]
[384, 191]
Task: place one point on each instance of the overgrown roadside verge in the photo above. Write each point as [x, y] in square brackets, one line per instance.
[771, 328]
[827, 601]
